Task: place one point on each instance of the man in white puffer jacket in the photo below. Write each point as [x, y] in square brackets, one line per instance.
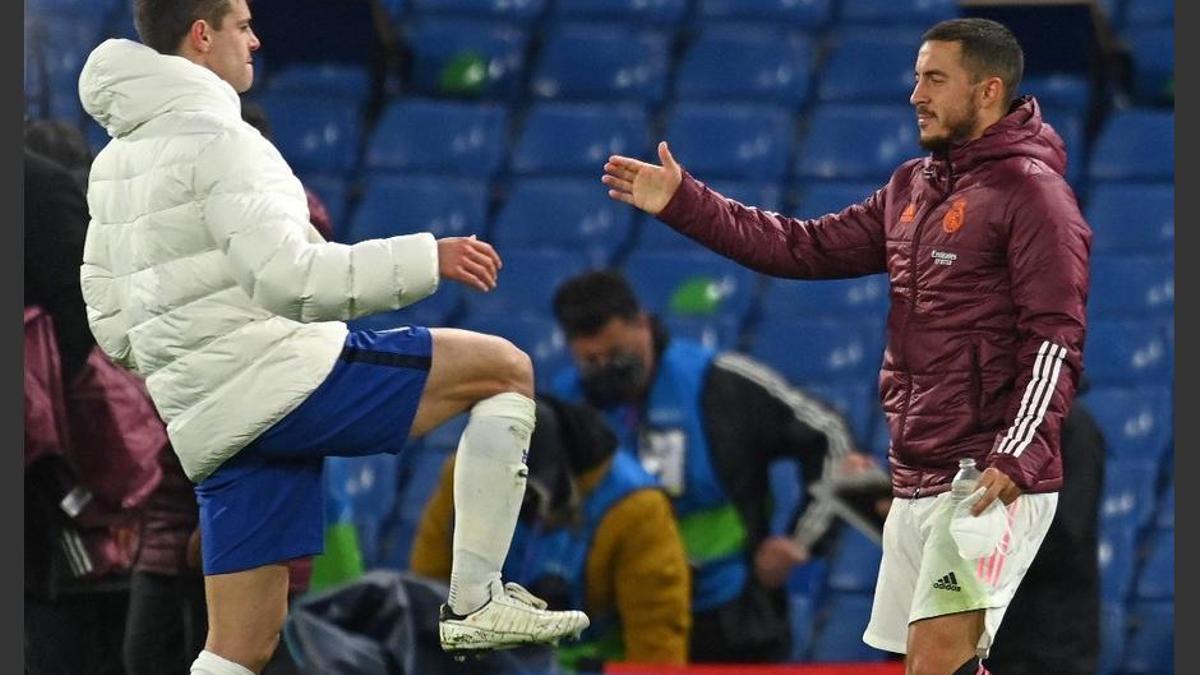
[202, 273]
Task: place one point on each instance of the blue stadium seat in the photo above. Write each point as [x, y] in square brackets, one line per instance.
[1132, 286]
[96, 8]
[333, 80]
[1112, 637]
[715, 332]
[520, 11]
[1135, 145]
[440, 137]
[1149, 13]
[1069, 124]
[857, 402]
[1153, 50]
[853, 142]
[818, 199]
[527, 283]
[855, 564]
[870, 65]
[1150, 649]
[363, 490]
[1128, 501]
[655, 236]
[1116, 554]
[1137, 423]
[731, 141]
[1156, 581]
[881, 440]
[602, 62]
[539, 337]
[1132, 218]
[746, 65]
[406, 204]
[899, 12]
[690, 284]
[840, 626]
[564, 213]
[639, 12]
[332, 191]
[443, 47]
[1066, 91]
[807, 350]
[809, 14]
[314, 134]
[851, 298]
[55, 50]
[1127, 351]
[578, 138]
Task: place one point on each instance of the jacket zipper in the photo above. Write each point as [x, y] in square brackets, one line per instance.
[912, 304]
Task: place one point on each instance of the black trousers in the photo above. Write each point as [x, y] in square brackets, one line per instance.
[75, 634]
[751, 628]
[167, 623]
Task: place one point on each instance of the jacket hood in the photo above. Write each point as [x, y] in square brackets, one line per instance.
[1020, 133]
[124, 84]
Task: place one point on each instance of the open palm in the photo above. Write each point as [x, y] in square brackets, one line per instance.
[646, 186]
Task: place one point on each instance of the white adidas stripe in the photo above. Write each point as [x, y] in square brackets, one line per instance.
[1036, 400]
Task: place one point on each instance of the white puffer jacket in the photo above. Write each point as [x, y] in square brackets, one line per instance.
[201, 270]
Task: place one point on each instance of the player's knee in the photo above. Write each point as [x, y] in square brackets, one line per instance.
[263, 651]
[515, 369]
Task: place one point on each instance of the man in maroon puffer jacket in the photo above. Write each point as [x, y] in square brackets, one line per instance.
[988, 258]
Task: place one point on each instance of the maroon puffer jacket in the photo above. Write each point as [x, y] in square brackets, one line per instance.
[988, 258]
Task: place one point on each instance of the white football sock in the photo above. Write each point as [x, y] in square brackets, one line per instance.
[489, 484]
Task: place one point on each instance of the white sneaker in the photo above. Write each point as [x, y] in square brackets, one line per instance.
[512, 617]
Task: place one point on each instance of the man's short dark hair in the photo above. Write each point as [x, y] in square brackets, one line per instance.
[586, 303]
[162, 24]
[988, 49]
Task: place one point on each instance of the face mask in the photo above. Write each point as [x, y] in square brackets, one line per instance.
[978, 536]
[616, 382]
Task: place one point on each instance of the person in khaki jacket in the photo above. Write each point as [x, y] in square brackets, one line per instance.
[594, 534]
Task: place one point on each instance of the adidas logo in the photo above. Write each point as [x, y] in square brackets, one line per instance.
[947, 583]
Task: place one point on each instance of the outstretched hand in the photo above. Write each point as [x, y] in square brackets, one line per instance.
[646, 186]
[469, 261]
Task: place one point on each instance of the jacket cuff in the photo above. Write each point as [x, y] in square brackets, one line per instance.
[683, 203]
[1011, 467]
[415, 257]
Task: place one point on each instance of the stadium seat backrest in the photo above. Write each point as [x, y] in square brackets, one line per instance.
[745, 65]
[858, 298]
[808, 14]
[1150, 649]
[342, 81]
[1136, 422]
[537, 336]
[578, 138]
[1128, 500]
[910, 12]
[714, 332]
[639, 12]
[806, 350]
[870, 66]
[697, 283]
[527, 283]
[840, 624]
[467, 57]
[1156, 581]
[332, 190]
[1132, 286]
[314, 134]
[748, 142]
[1135, 145]
[857, 402]
[1153, 50]
[1132, 218]
[602, 62]
[406, 204]
[467, 139]
[1064, 91]
[565, 213]
[855, 564]
[522, 11]
[1116, 554]
[1149, 12]
[862, 143]
[820, 198]
[1128, 351]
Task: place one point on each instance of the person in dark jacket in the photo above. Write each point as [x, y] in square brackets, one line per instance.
[1053, 622]
[707, 426]
[987, 254]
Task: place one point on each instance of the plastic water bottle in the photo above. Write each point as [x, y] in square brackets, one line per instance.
[965, 480]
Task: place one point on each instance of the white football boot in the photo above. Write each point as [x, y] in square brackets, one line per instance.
[511, 618]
